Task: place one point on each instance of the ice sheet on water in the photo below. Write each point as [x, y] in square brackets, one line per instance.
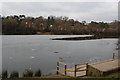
[32, 57]
[70, 36]
[94, 59]
[33, 49]
[10, 57]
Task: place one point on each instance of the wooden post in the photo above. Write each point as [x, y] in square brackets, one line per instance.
[57, 68]
[75, 70]
[86, 69]
[65, 70]
[113, 55]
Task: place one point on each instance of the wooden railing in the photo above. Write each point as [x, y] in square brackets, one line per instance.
[63, 68]
[115, 55]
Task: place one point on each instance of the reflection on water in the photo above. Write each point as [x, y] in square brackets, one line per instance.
[38, 51]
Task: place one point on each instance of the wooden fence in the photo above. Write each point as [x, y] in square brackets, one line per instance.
[77, 69]
[72, 70]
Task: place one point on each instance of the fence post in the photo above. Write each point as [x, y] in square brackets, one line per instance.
[57, 68]
[86, 69]
[75, 70]
[113, 55]
[65, 70]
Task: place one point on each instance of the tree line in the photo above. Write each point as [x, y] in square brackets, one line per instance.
[20, 25]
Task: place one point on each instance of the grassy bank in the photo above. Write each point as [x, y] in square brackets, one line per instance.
[64, 79]
[114, 76]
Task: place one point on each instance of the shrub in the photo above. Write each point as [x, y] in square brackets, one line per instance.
[14, 74]
[28, 73]
[38, 73]
[4, 74]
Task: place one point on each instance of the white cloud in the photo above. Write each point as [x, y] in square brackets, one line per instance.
[59, 0]
[0, 8]
[99, 11]
[119, 11]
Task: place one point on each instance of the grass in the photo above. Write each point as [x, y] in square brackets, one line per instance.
[114, 76]
[64, 79]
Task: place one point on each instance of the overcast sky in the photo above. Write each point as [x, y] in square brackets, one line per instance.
[88, 11]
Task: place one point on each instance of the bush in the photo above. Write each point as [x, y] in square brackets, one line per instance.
[14, 74]
[38, 73]
[28, 73]
[4, 74]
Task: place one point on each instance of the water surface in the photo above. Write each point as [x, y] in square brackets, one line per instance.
[22, 52]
